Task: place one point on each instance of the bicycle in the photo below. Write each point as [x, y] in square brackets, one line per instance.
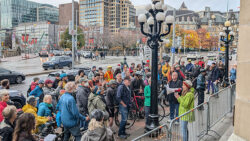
[134, 112]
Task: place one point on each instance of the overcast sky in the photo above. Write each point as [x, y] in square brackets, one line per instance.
[195, 5]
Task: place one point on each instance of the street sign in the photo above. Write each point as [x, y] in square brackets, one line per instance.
[173, 50]
[147, 53]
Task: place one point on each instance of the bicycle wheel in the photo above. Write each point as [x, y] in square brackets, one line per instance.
[132, 115]
[161, 112]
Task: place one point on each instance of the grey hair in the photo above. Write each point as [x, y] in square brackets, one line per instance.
[8, 112]
[3, 92]
[46, 97]
[70, 86]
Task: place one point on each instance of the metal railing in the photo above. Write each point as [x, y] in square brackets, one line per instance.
[160, 134]
[198, 122]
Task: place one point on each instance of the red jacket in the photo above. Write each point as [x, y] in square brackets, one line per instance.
[33, 86]
[2, 106]
[201, 63]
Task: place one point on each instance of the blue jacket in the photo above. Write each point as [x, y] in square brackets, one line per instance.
[201, 82]
[44, 110]
[69, 111]
[123, 94]
[37, 92]
[233, 74]
[215, 74]
[189, 67]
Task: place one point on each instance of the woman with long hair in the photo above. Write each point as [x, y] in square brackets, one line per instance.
[186, 101]
[24, 126]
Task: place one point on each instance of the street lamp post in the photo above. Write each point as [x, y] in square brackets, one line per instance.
[224, 36]
[155, 20]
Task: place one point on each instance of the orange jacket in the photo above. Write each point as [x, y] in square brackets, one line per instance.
[108, 76]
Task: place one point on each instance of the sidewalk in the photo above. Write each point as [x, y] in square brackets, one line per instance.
[18, 58]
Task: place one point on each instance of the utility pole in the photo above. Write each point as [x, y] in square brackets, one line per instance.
[184, 44]
[73, 36]
[173, 42]
[76, 31]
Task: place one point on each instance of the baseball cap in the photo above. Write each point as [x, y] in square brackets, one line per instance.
[40, 82]
[48, 81]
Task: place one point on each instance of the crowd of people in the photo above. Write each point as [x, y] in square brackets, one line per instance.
[93, 99]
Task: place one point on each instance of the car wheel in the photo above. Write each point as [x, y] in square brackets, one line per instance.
[19, 79]
[45, 68]
[56, 67]
[70, 65]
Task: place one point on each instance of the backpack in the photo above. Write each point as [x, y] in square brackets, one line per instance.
[29, 90]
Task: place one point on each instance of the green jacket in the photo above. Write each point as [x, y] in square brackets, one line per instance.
[186, 104]
[95, 102]
[147, 94]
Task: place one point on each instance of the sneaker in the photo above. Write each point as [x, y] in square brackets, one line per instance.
[123, 136]
[208, 93]
[127, 134]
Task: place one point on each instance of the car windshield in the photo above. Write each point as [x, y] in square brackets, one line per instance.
[54, 59]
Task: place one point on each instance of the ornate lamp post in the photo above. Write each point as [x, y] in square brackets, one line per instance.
[227, 37]
[156, 18]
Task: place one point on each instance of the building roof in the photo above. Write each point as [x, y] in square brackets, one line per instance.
[183, 6]
[185, 13]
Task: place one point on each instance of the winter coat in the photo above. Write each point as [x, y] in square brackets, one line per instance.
[196, 71]
[33, 110]
[183, 68]
[33, 85]
[82, 95]
[189, 67]
[2, 106]
[201, 82]
[215, 74]
[100, 133]
[181, 76]
[165, 70]
[186, 104]
[69, 110]
[111, 97]
[37, 92]
[124, 94]
[6, 130]
[201, 64]
[25, 137]
[91, 75]
[174, 84]
[45, 110]
[136, 85]
[147, 94]
[95, 102]
[54, 94]
[55, 83]
[233, 74]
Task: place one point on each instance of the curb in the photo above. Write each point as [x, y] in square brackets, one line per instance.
[40, 73]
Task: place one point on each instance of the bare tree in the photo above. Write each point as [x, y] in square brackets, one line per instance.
[125, 39]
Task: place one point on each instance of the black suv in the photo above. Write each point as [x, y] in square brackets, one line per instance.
[58, 62]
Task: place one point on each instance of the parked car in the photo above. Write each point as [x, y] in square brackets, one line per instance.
[44, 53]
[12, 76]
[70, 73]
[17, 98]
[87, 54]
[67, 53]
[57, 53]
[193, 56]
[58, 62]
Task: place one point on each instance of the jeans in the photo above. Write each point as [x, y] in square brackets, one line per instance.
[147, 111]
[75, 131]
[174, 110]
[215, 88]
[210, 84]
[200, 96]
[124, 114]
[184, 130]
